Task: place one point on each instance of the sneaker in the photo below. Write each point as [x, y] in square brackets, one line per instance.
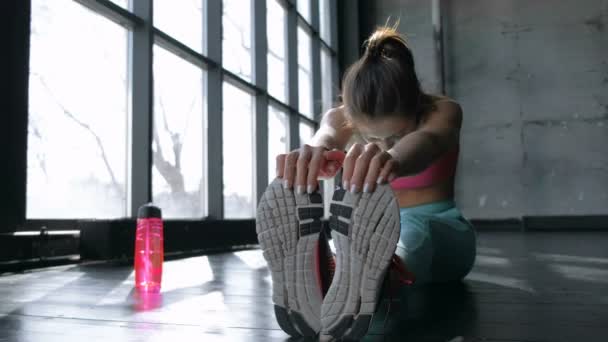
[402, 276]
[289, 228]
[365, 230]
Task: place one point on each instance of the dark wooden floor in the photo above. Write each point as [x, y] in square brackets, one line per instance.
[524, 287]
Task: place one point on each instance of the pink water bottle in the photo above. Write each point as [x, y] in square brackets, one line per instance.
[149, 253]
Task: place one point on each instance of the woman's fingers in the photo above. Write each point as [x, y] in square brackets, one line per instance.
[290, 169]
[373, 172]
[302, 169]
[388, 172]
[331, 163]
[362, 166]
[280, 165]
[349, 164]
[315, 166]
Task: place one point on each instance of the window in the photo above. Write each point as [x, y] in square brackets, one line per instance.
[181, 20]
[304, 9]
[97, 87]
[278, 138]
[327, 86]
[236, 40]
[277, 63]
[77, 134]
[325, 20]
[122, 3]
[305, 72]
[179, 135]
[238, 152]
[306, 133]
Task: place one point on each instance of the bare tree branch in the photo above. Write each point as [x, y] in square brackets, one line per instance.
[273, 54]
[164, 116]
[178, 141]
[175, 137]
[88, 128]
[40, 157]
[242, 40]
[171, 173]
[187, 123]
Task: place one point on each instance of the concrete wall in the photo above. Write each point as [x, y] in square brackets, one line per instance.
[414, 22]
[532, 77]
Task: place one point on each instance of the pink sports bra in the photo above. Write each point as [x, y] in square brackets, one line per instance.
[441, 169]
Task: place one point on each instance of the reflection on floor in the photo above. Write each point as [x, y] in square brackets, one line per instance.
[524, 287]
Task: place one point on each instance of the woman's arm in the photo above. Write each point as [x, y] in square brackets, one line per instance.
[334, 132]
[366, 166]
[437, 134]
[322, 157]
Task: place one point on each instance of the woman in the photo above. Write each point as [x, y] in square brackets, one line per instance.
[408, 149]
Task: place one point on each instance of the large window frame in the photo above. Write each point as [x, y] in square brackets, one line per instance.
[143, 36]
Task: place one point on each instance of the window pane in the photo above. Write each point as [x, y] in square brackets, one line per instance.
[182, 20]
[178, 182]
[122, 3]
[236, 39]
[306, 133]
[277, 67]
[77, 134]
[327, 86]
[278, 138]
[238, 152]
[304, 9]
[328, 186]
[305, 72]
[325, 21]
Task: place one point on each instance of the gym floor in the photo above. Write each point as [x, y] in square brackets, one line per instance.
[524, 287]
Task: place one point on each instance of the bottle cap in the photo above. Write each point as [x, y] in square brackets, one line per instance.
[149, 210]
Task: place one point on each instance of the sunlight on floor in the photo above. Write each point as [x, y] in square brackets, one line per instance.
[589, 274]
[570, 258]
[210, 307]
[252, 258]
[120, 292]
[186, 273]
[177, 274]
[489, 250]
[484, 260]
[53, 281]
[514, 283]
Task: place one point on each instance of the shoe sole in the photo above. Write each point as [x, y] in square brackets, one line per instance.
[365, 230]
[288, 227]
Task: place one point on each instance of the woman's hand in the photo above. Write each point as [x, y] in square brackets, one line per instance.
[366, 166]
[302, 167]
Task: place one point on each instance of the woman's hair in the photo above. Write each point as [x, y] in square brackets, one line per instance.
[383, 81]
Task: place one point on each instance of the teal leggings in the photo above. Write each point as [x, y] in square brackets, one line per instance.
[437, 244]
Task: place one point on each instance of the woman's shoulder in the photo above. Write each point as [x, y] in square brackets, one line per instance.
[443, 106]
[442, 100]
